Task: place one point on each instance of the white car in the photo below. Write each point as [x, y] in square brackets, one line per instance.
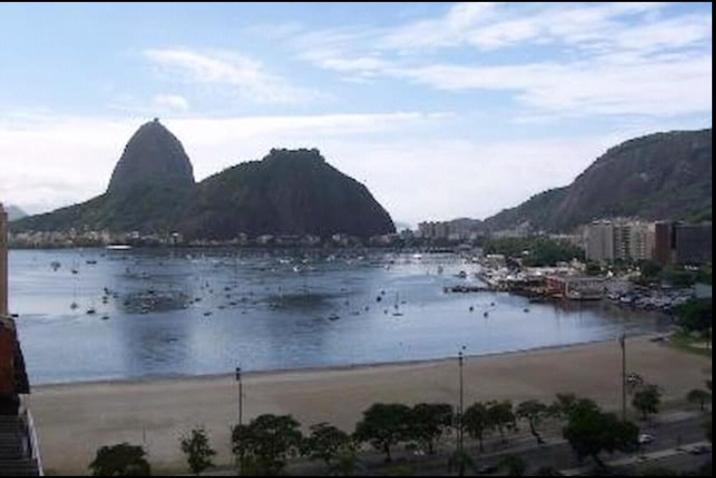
[645, 438]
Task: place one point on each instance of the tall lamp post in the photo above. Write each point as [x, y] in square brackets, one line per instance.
[622, 343]
[460, 431]
[241, 412]
[241, 396]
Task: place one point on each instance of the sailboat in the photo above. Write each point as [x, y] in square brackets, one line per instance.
[397, 312]
[74, 304]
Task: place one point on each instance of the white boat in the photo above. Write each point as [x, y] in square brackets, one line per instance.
[118, 247]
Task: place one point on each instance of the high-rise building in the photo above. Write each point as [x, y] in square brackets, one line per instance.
[3, 263]
[619, 239]
[599, 241]
[663, 243]
[693, 243]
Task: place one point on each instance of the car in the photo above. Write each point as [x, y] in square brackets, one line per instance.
[700, 449]
[645, 438]
[487, 469]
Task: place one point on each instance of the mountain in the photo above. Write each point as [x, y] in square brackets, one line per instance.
[152, 189]
[14, 212]
[658, 176]
[153, 157]
[288, 192]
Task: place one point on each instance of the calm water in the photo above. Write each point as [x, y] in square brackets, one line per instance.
[188, 312]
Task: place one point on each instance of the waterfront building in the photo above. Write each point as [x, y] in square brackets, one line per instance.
[599, 241]
[455, 230]
[679, 243]
[693, 243]
[434, 229]
[607, 240]
[663, 243]
[575, 287]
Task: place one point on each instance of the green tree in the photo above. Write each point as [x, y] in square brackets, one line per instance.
[650, 270]
[699, 396]
[513, 465]
[476, 422]
[593, 269]
[120, 460]
[325, 443]
[428, 422]
[383, 426]
[590, 432]
[562, 404]
[502, 417]
[459, 460]
[647, 400]
[264, 445]
[197, 450]
[534, 412]
[696, 315]
[345, 461]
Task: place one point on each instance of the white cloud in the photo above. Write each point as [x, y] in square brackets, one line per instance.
[604, 59]
[489, 25]
[245, 76]
[170, 103]
[604, 86]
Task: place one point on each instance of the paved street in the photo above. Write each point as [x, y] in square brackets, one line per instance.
[670, 431]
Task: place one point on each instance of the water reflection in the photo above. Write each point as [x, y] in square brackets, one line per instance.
[169, 312]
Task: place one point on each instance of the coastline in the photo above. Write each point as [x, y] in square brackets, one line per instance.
[155, 413]
[333, 368]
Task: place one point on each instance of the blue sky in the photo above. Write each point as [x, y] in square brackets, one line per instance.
[443, 110]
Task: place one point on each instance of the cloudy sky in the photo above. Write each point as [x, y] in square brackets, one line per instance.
[442, 110]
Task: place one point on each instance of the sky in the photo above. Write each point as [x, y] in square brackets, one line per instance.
[441, 110]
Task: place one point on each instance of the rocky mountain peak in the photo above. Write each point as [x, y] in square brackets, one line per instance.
[152, 157]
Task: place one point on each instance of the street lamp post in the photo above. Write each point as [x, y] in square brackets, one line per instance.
[241, 412]
[622, 342]
[461, 456]
[241, 395]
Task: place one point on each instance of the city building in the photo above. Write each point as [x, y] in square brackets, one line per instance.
[607, 240]
[663, 243]
[455, 230]
[680, 243]
[599, 241]
[693, 243]
[575, 287]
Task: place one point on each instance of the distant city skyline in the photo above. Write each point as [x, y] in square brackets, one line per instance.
[442, 110]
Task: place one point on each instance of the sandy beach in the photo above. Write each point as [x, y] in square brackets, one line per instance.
[74, 420]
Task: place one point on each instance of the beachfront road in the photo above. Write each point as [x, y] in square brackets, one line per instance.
[671, 430]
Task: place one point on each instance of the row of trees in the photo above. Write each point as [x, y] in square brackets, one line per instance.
[264, 446]
[534, 251]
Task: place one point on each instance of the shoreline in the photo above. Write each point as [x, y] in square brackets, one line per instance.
[332, 368]
[155, 413]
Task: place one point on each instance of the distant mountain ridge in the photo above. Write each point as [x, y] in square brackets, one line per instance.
[289, 192]
[658, 176]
